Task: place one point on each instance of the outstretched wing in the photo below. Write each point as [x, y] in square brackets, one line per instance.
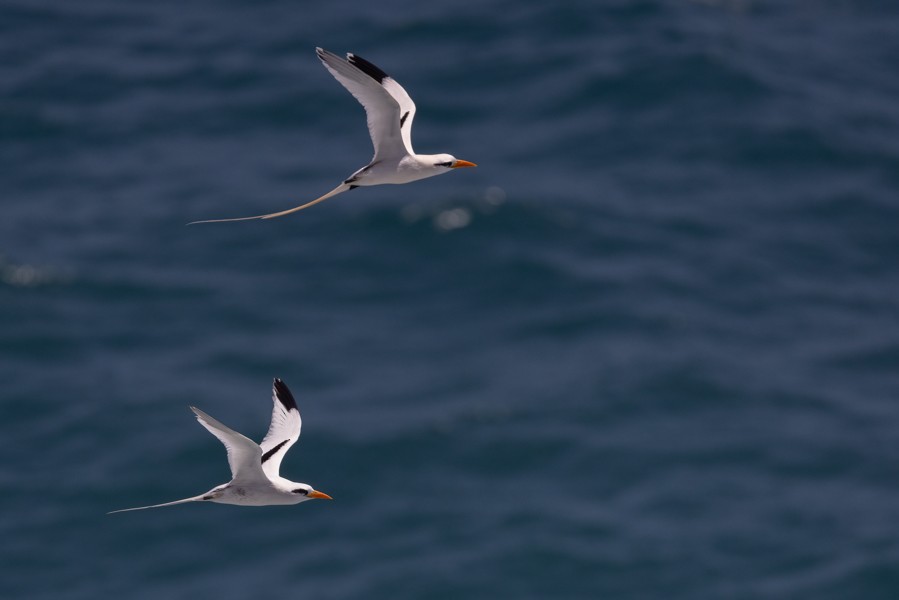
[389, 108]
[244, 455]
[283, 431]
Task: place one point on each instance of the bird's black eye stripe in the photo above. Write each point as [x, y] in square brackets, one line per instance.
[301, 491]
[445, 164]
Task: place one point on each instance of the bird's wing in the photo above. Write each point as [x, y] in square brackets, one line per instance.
[283, 431]
[244, 455]
[389, 108]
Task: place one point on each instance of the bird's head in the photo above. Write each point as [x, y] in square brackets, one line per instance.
[305, 492]
[448, 161]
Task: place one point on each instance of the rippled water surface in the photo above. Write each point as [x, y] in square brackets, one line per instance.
[649, 348]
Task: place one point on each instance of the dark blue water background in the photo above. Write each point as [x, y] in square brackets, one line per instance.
[649, 348]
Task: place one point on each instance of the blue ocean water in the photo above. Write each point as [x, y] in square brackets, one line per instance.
[649, 348]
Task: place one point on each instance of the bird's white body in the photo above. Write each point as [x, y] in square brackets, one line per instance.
[404, 169]
[267, 493]
[390, 112]
[255, 478]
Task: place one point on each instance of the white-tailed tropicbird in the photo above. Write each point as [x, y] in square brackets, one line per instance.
[254, 467]
[390, 112]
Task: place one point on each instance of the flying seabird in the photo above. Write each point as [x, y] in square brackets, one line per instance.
[254, 467]
[390, 113]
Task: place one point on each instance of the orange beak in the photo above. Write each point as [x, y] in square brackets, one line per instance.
[462, 163]
[319, 495]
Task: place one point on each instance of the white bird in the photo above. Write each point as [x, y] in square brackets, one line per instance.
[390, 112]
[254, 467]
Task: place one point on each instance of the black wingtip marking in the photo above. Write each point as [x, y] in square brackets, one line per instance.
[403, 118]
[284, 396]
[271, 452]
[367, 68]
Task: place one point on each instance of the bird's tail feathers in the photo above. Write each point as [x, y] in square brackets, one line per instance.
[338, 190]
[199, 498]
